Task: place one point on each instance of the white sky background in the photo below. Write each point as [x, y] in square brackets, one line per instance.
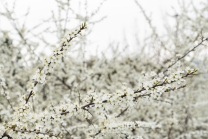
[124, 19]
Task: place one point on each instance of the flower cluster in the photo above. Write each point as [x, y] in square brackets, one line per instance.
[123, 97]
[51, 62]
[24, 120]
[97, 105]
[113, 127]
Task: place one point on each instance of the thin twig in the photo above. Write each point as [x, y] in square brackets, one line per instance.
[203, 40]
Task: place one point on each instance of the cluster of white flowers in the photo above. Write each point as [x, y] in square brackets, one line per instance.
[122, 97]
[98, 105]
[112, 127]
[51, 62]
[101, 113]
[25, 123]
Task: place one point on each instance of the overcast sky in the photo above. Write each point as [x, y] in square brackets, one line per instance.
[124, 18]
